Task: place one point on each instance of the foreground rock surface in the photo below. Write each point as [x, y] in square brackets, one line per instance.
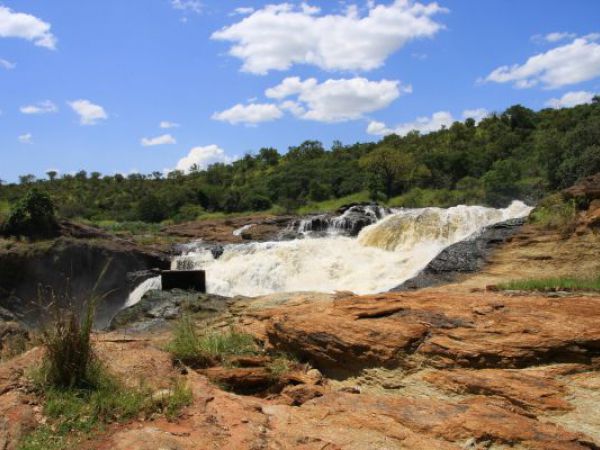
[417, 370]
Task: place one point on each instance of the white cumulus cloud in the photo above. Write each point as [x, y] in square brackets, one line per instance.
[423, 125]
[477, 114]
[571, 99]
[242, 11]
[194, 6]
[89, 113]
[553, 37]
[6, 64]
[249, 114]
[166, 124]
[164, 139]
[44, 107]
[26, 138]
[25, 26]
[202, 157]
[278, 36]
[568, 64]
[336, 100]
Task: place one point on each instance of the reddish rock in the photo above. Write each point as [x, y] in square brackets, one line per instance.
[448, 329]
[526, 389]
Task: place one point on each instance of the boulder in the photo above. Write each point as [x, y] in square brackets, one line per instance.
[585, 191]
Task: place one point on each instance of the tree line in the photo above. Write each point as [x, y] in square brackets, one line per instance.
[516, 154]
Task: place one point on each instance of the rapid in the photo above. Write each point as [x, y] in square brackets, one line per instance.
[384, 254]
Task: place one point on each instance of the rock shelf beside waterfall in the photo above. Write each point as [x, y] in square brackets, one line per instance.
[466, 256]
[157, 308]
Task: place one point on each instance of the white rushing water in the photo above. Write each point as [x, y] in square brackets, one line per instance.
[136, 295]
[383, 255]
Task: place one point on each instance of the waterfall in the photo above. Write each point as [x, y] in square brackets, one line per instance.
[384, 254]
[240, 230]
[136, 295]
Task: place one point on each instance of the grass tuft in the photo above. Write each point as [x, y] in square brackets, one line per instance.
[553, 284]
[202, 350]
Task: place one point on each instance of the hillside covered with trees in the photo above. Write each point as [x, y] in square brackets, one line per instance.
[517, 154]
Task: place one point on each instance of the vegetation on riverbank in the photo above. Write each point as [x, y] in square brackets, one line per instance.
[202, 350]
[80, 397]
[591, 284]
[518, 153]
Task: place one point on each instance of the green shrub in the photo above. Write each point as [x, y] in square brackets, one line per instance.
[32, 216]
[423, 198]
[555, 213]
[202, 350]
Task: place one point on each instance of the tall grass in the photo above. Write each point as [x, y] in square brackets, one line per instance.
[69, 358]
[553, 284]
[80, 395]
[555, 213]
[202, 350]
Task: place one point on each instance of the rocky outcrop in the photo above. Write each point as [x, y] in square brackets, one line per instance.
[464, 257]
[447, 330]
[586, 190]
[264, 228]
[158, 308]
[349, 220]
[424, 370]
[586, 195]
[66, 270]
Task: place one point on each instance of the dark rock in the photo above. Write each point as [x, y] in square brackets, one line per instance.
[351, 219]
[66, 270]
[157, 308]
[138, 277]
[194, 280]
[467, 256]
[215, 248]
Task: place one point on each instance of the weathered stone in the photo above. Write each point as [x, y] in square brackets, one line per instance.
[448, 329]
[158, 307]
[467, 256]
[70, 268]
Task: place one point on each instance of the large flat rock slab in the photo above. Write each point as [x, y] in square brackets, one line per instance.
[445, 329]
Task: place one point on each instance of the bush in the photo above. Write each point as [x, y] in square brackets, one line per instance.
[189, 212]
[33, 216]
[555, 213]
[69, 359]
[423, 198]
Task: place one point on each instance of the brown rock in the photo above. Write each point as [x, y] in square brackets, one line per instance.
[264, 227]
[448, 329]
[526, 389]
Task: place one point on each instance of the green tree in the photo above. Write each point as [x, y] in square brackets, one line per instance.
[392, 167]
[32, 216]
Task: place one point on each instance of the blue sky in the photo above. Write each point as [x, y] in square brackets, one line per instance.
[86, 85]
